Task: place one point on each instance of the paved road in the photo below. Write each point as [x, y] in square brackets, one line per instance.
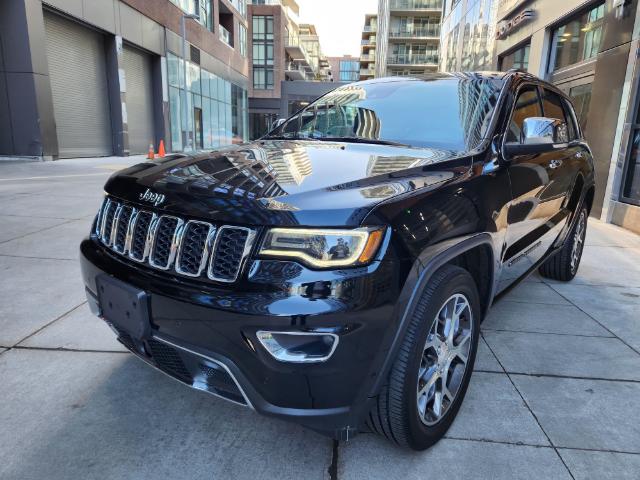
[556, 393]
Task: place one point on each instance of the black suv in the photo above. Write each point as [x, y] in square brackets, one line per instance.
[335, 272]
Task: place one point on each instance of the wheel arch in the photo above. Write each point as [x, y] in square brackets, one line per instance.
[475, 252]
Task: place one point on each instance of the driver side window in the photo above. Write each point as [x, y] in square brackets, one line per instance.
[527, 105]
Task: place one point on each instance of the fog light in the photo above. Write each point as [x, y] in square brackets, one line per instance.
[299, 347]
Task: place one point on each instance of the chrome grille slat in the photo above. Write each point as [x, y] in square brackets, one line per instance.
[140, 240]
[100, 216]
[191, 248]
[164, 242]
[121, 229]
[231, 248]
[193, 252]
[107, 222]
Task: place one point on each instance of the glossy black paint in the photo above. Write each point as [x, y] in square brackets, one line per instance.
[440, 206]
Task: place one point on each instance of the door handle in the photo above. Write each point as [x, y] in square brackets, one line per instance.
[553, 164]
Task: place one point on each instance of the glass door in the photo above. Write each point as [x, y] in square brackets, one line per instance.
[197, 118]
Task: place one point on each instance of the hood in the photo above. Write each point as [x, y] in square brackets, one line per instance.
[284, 182]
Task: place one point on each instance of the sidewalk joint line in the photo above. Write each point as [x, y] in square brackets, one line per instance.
[595, 320]
[524, 444]
[333, 467]
[50, 323]
[39, 258]
[529, 408]
[20, 237]
[545, 333]
[66, 349]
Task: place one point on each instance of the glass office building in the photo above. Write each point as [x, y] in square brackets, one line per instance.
[585, 49]
[216, 109]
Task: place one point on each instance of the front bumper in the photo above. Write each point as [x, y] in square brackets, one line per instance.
[205, 335]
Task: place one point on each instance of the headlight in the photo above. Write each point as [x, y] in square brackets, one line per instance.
[323, 248]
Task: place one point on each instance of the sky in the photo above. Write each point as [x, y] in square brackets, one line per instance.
[338, 22]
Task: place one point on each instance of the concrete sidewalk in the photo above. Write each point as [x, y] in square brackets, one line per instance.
[556, 392]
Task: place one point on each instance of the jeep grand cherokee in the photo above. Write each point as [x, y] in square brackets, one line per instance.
[335, 272]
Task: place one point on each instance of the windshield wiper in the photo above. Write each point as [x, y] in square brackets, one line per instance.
[374, 141]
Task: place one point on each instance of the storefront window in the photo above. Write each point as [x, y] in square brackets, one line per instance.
[577, 40]
[216, 107]
[517, 59]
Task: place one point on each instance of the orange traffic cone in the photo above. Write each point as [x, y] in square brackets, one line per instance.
[161, 152]
[151, 155]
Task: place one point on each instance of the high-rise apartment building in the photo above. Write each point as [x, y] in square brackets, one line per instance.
[285, 61]
[98, 78]
[368, 47]
[408, 37]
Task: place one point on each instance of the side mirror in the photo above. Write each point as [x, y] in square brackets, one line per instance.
[539, 135]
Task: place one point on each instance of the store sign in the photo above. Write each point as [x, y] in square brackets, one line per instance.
[507, 27]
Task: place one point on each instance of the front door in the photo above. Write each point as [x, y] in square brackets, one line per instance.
[536, 212]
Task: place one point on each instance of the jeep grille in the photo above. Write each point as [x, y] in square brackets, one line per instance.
[191, 248]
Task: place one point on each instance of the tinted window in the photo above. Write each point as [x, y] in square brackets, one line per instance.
[450, 113]
[527, 105]
[553, 107]
[574, 132]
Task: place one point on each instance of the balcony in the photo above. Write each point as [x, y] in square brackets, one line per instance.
[225, 36]
[417, 33]
[367, 72]
[294, 48]
[370, 29]
[295, 71]
[413, 59]
[369, 41]
[368, 58]
[413, 5]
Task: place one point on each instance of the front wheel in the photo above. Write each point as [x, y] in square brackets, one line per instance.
[429, 378]
[564, 264]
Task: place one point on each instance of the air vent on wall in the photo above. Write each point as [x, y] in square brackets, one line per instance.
[195, 55]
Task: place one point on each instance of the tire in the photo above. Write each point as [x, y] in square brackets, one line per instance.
[564, 264]
[398, 412]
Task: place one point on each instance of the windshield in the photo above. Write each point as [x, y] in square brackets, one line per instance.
[451, 113]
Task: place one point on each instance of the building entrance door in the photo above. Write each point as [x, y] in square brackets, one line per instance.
[197, 118]
[580, 92]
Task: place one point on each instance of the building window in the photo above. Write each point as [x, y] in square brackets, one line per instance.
[216, 109]
[243, 40]
[517, 59]
[206, 14]
[262, 52]
[631, 185]
[577, 40]
[349, 70]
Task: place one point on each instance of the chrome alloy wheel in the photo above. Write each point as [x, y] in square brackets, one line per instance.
[578, 241]
[444, 359]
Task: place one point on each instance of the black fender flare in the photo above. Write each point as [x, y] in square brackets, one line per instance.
[429, 261]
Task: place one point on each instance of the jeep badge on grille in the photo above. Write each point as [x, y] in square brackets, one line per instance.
[152, 197]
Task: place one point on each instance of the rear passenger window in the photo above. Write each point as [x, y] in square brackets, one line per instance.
[527, 105]
[554, 107]
[574, 131]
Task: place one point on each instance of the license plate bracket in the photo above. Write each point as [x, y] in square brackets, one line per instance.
[124, 305]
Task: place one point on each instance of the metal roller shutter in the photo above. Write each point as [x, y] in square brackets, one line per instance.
[137, 68]
[78, 76]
